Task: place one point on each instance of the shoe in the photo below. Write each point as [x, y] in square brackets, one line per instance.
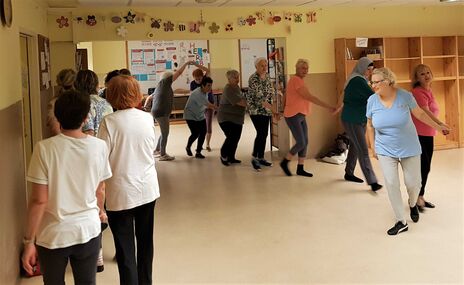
[353, 178]
[232, 161]
[284, 166]
[156, 153]
[208, 148]
[264, 162]
[100, 265]
[199, 155]
[398, 228]
[429, 205]
[189, 151]
[255, 164]
[224, 161]
[375, 186]
[301, 172]
[414, 214]
[166, 157]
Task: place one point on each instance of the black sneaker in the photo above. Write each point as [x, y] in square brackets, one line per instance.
[224, 161]
[414, 214]
[256, 164]
[398, 228]
[264, 162]
[199, 155]
[353, 178]
[189, 151]
[234, 160]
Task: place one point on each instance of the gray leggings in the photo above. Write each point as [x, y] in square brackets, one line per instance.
[163, 123]
[83, 258]
[299, 128]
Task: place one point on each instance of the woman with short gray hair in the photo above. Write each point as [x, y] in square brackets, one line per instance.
[230, 117]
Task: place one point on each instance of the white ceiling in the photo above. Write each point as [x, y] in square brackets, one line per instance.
[244, 3]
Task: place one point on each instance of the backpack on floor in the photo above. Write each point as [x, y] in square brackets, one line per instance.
[339, 153]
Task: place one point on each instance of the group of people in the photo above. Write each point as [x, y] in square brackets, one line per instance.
[400, 127]
[99, 167]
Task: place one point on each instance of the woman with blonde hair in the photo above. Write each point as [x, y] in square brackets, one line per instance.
[422, 92]
[259, 99]
[392, 132]
[298, 101]
[132, 191]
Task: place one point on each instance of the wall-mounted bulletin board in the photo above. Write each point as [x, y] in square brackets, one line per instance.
[148, 60]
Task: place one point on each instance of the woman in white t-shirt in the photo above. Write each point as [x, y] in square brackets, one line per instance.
[133, 189]
[67, 172]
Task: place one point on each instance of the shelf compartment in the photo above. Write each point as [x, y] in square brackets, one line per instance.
[403, 68]
[461, 67]
[402, 47]
[439, 56]
[442, 67]
[433, 46]
[358, 52]
[461, 45]
[447, 98]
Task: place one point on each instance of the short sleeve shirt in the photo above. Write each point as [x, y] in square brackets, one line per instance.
[194, 85]
[424, 98]
[72, 169]
[395, 133]
[196, 105]
[294, 102]
[228, 110]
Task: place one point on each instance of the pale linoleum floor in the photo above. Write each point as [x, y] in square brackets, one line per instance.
[226, 225]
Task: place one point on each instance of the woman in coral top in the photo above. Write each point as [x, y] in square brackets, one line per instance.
[298, 101]
[422, 92]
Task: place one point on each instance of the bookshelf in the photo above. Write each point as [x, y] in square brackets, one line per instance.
[444, 55]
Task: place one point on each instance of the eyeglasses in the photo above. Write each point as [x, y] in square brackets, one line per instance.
[377, 82]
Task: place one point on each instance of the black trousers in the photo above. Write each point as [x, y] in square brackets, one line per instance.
[135, 267]
[261, 123]
[198, 130]
[233, 132]
[426, 143]
[83, 259]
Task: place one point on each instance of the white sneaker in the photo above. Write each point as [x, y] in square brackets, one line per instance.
[100, 265]
[166, 157]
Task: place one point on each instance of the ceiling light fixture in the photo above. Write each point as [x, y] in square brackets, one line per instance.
[446, 1]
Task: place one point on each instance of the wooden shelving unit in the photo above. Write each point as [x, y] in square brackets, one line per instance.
[444, 55]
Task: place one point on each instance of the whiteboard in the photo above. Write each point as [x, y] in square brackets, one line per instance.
[250, 50]
[148, 60]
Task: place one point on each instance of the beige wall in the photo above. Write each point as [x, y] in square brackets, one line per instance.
[30, 17]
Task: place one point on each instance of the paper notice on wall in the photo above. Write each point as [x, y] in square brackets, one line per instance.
[46, 79]
[43, 63]
[361, 42]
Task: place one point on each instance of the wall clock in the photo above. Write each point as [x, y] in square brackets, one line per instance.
[6, 11]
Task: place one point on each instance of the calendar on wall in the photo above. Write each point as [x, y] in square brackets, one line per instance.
[148, 60]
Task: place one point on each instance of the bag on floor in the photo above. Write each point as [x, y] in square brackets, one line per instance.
[339, 153]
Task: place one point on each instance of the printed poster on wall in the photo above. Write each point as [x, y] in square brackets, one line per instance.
[148, 60]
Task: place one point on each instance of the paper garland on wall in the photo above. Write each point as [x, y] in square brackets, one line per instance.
[259, 17]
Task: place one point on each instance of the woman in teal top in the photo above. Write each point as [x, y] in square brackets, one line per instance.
[356, 93]
[390, 126]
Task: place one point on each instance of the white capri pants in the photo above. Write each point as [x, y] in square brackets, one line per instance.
[412, 179]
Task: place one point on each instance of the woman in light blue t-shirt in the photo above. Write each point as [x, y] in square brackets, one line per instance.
[390, 128]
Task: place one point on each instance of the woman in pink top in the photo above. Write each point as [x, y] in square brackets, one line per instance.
[297, 105]
[422, 91]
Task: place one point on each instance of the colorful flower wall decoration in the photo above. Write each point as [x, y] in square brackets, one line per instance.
[241, 21]
[214, 28]
[122, 31]
[79, 20]
[251, 20]
[298, 17]
[288, 16]
[116, 19]
[260, 15]
[311, 17]
[91, 20]
[155, 23]
[130, 18]
[194, 27]
[229, 27]
[182, 27]
[168, 26]
[62, 22]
